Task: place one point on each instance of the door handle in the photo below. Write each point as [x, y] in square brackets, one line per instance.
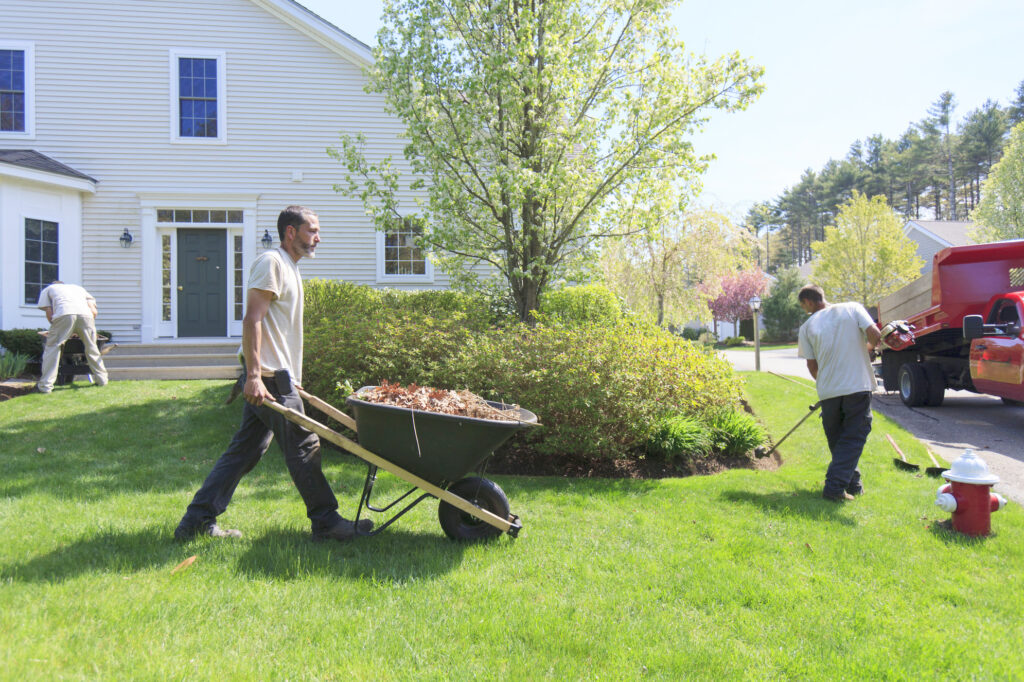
[980, 346]
[181, 288]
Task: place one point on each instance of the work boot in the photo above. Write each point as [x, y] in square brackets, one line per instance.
[856, 489]
[343, 530]
[838, 497]
[185, 532]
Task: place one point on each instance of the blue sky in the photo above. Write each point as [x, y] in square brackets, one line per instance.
[836, 71]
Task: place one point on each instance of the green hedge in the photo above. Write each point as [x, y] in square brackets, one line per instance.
[27, 342]
[581, 305]
[599, 389]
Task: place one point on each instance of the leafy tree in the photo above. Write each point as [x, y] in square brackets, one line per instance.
[736, 289]
[865, 256]
[781, 310]
[527, 120]
[1000, 215]
[658, 271]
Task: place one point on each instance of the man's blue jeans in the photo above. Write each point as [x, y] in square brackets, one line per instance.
[301, 449]
[847, 423]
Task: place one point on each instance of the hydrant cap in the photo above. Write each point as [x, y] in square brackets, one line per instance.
[969, 468]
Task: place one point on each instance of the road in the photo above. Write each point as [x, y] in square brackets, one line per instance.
[964, 421]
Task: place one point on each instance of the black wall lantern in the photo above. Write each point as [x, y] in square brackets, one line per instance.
[267, 240]
[126, 238]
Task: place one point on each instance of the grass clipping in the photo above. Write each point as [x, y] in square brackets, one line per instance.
[426, 399]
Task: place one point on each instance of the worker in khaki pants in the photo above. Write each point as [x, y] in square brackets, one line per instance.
[69, 309]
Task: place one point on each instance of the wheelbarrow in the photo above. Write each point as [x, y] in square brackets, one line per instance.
[72, 357]
[430, 451]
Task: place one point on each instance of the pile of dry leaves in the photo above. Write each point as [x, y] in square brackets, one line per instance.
[460, 403]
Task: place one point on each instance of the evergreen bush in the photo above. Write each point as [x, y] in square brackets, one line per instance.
[27, 342]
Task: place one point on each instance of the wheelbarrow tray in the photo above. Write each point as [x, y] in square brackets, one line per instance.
[440, 448]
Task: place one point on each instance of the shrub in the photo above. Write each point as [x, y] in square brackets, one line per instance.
[733, 341]
[12, 365]
[707, 338]
[27, 342]
[580, 305]
[736, 433]
[680, 436]
[694, 334]
[599, 390]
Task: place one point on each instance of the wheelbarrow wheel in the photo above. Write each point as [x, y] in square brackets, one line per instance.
[457, 524]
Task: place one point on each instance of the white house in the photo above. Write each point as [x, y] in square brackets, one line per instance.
[932, 236]
[186, 126]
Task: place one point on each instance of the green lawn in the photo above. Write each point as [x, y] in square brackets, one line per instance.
[744, 575]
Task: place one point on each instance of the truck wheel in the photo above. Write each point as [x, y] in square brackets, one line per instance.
[457, 524]
[913, 384]
[936, 384]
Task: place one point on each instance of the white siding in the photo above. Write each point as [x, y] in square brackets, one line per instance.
[103, 108]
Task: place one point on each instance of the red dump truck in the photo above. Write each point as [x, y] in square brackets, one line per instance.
[966, 316]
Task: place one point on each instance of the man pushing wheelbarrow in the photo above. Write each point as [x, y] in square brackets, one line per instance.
[272, 347]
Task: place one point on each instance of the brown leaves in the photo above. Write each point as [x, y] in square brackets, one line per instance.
[460, 403]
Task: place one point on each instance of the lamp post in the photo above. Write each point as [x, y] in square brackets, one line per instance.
[755, 306]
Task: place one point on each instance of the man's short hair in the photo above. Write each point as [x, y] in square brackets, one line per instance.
[812, 293]
[296, 216]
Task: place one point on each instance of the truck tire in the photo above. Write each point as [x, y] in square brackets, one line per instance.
[913, 384]
[936, 390]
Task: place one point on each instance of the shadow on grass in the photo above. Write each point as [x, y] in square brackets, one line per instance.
[109, 551]
[395, 555]
[803, 502]
[943, 530]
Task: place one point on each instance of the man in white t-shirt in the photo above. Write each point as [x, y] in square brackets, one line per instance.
[272, 348]
[69, 309]
[835, 341]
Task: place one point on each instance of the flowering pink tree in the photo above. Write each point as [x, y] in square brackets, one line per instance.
[733, 303]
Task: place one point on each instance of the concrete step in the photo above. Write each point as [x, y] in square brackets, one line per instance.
[214, 359]
[187, 348]
[172, 373]
[205, 360]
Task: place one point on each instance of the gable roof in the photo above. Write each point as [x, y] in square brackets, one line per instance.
[319, 29]
[946, 232]
[28, 164]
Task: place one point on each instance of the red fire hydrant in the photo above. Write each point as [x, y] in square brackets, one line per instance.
[968, 495]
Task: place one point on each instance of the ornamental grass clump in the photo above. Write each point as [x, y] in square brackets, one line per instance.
[681, 437]
[12, 365]
[736, 433]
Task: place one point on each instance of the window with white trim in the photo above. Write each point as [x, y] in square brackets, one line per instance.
[400, 255]
[197, 96]
[42, 262]
[17, 83]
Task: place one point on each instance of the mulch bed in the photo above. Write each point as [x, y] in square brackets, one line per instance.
[523, 462]
[8, 391]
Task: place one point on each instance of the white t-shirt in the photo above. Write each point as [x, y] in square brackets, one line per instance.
[65, 299]
[834, 336]
[281, 341]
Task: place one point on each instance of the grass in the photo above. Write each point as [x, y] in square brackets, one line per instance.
[743, 575]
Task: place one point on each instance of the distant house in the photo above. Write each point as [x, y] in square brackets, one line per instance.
[934, 235]
[146, 149]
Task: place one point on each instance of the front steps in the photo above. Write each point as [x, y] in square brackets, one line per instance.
[215, 359]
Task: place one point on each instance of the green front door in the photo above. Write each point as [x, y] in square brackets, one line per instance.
[202, 283]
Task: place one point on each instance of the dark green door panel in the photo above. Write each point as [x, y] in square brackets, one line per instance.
[202, 283]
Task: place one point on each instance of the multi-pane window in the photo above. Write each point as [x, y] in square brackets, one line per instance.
[12, 91]
[177, 215]
[197, 97]
[239, 289]
[165, 277]
[402, 255]
[41, 257]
